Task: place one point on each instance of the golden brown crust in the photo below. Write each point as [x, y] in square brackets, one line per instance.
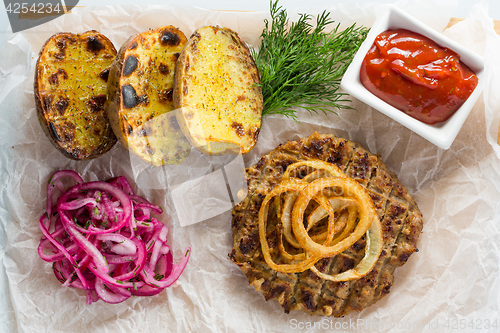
[217, 88]
[141, 96]
[70, 91]
[399, 215]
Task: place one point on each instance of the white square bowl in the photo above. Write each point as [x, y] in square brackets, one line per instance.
[441, 134]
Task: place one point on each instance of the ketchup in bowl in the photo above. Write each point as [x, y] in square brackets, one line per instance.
[417, 76]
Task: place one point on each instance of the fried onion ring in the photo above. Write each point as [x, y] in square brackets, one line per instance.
[372, 252]
[320, 213]
[367, 213]
[308, 261]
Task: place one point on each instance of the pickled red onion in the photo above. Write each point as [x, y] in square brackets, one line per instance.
[101, 237]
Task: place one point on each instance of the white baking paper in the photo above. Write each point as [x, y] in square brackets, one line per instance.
[197, 199]
[450, 285]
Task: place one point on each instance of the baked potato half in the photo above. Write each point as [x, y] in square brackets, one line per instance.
[217, 92]
[71, 91]
[141, 84]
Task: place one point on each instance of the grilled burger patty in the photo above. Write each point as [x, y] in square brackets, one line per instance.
[400, 218]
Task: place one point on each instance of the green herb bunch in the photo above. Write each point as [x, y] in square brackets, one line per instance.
[301, 65]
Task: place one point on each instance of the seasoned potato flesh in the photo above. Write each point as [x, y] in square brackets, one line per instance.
[217, 92]
[71, 91]
[142, 83]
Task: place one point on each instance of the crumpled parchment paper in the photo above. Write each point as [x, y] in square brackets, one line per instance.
[451, 284]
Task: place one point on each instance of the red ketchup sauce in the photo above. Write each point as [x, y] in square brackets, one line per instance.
[417, 76]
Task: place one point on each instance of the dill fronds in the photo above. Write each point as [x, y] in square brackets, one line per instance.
[301, 65]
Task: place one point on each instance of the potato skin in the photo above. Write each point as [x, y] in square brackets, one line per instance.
[140, 104]
[217, 92]
[70, 89]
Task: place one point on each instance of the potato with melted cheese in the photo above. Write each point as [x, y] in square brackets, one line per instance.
[217, 92]
[71, 91]
[141, 84]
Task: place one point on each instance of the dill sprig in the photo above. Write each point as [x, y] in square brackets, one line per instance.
[301, 65]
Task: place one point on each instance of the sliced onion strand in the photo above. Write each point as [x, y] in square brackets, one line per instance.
[101, 237]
